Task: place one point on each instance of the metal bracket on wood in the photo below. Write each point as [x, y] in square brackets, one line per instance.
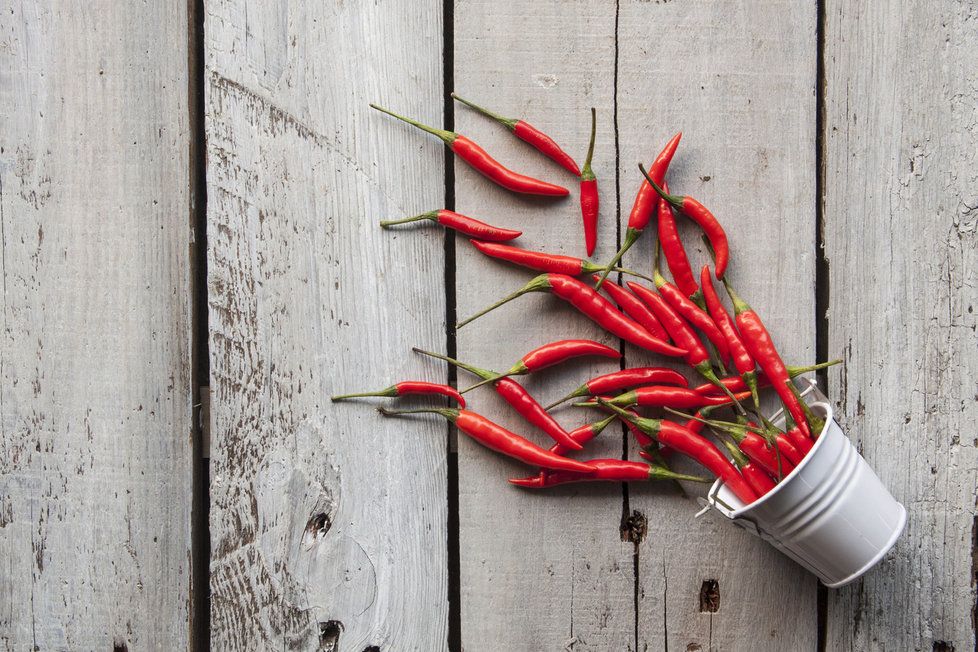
[204, 415]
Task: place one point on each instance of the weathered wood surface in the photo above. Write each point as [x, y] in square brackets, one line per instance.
[738, 77]
[95, 387]
[901, 191]
[539, 571]
[328, 522]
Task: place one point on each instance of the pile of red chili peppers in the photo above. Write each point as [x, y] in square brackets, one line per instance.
[684, 319]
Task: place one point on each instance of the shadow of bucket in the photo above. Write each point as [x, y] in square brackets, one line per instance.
[831, 514]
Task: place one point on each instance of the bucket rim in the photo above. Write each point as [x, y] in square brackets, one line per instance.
[746, 509]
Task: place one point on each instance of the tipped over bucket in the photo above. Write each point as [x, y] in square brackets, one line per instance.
[831, 514]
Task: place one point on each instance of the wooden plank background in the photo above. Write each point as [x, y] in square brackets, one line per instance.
[95, 388]
[837, 142]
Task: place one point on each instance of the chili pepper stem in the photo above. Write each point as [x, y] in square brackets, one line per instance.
[509, 123]
[538, 284]
[448, 413]
[447, 136]
[486, 381]
[430, 215]
[662, 473]
[673, 200]
[631, 236]
[386, 392]
[580, 391]
[706, 371]
[586, 173]
[797, 371]
[713, 423]
[472, 369]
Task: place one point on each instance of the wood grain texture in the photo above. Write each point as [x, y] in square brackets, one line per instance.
[738, 78]
[328, 522]
[539, 571]
[95, 387]
[901, 191]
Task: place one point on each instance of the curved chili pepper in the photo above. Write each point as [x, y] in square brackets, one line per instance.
[692, 313]
[592, 305]
[692, 445]
[761, 347]
[589, 195]
[672, 248]
[530, 134]
[697, 356]
[742, 360]
[645, 202]
[609, 383]
[703, 217]
[543, 262]
[679, 398]
[607, 470]
[409, 387]
[634, 308]
[519, 399]
[551, 354]
[771, 454]
[461, 223]
[494, 437]
[479, 159]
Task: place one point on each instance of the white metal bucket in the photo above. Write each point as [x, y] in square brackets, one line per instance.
[831, 514]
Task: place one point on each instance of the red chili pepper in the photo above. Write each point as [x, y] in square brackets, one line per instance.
[609, 470]
[583, 434]
[679, 398]
[551, 354]
[479, 159]
[791, 430]
[761, 347]
[692, 445]
[759, 481]
[703, 217]
[591, 304]
[634, 308]
[645, 202]
[697, 356]
[692, 313]
[495, 437]
[520, 399]
[527, 132]
[755, 476]
[764, 455]
[409, 387]
[543, 262]
[624, 379]
[589, 195]
[742, 360]
[672, 247]
[461, 223]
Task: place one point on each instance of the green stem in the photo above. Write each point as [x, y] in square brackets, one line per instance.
[472, 369]
[586, 173]
[386, 392]
[538, 284]
[447, 136]
[449, 413]
[509, 123]
[580, 391]
[661, 473]
[797, 371]
[631, 236]
[674, 200]
[430, 215]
